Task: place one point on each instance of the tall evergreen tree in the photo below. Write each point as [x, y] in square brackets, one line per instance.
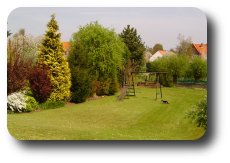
[135, 45]
[51, 55]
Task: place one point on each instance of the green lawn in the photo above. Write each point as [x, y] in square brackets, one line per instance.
[136, 118]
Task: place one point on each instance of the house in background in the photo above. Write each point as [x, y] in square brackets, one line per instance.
[201, 50]
[66, 46]
[158, 54]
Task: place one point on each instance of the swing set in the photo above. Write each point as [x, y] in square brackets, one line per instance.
[128, 86]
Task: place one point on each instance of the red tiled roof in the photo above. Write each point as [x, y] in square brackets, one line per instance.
[66, 45]
[201, 48]
[163, 52]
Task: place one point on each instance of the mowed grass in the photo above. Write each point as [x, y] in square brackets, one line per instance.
[137, 118]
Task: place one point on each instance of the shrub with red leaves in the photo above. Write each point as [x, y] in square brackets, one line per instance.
[17, 75]
[17, 68]
[40, 83]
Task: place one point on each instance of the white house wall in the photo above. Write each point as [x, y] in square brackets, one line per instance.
[155, 56]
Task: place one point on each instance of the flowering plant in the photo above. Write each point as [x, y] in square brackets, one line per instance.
[20, 102]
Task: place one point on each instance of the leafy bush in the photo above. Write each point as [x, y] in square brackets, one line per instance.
[199, 114]
[19, 102]
[52, 104]
[107, 86]
[21, 56]
[197, 69]
[17, 75]
[31, 104]
[40, 84]
[103, 88]
[113, 87]
[81, 86]
[176, 66]
[180, 66]
[95, 58]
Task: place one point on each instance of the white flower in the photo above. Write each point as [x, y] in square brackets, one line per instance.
[16, 101]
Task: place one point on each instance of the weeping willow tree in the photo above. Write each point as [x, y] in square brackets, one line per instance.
[95, 59]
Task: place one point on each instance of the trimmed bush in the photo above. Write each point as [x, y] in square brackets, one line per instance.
[19, 102]
[40, 84]
[52, 104]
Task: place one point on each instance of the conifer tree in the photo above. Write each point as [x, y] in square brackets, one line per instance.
[51, 55]
[135, 45]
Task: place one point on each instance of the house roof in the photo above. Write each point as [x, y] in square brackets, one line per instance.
[163, 52]
[66, 45]
[201, 48]
[158, 54]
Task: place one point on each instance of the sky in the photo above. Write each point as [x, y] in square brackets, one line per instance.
[154, 25]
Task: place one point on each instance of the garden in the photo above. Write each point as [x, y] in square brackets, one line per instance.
[137, 118]
[53, 96]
